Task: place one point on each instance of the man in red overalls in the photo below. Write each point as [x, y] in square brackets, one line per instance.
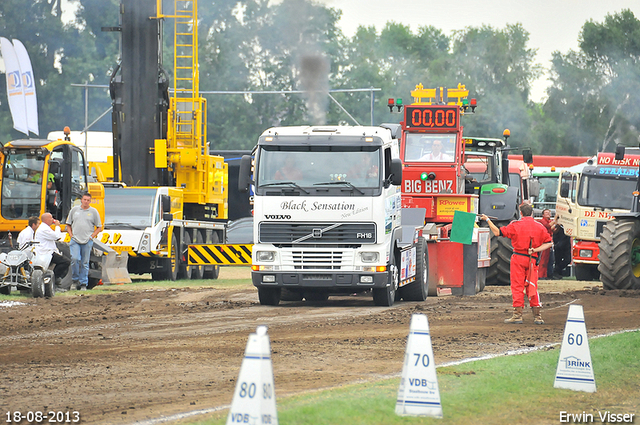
[528, 238]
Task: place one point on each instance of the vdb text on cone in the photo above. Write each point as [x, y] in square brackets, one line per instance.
[418, 394]
[254, 399]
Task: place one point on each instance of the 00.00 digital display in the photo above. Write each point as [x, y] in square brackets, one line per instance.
[431, 117]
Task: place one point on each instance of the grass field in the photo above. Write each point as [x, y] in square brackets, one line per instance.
[500, 391]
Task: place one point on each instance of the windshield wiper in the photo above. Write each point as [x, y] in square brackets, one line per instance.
[292, 184]
[343, 183]
[129, 225]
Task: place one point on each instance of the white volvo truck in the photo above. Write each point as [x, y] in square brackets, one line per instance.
[328, 216]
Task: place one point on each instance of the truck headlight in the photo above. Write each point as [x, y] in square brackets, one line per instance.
[144, 243]
[369, 257]
[266, 256]
[586, 253]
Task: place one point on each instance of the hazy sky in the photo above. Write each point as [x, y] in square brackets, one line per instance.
[552, 24]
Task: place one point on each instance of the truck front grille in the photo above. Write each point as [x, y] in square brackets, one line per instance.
[317, 233]
[316, 259]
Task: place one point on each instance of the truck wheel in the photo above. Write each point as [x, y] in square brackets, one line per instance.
[586, 272]
[198, 271]
[212, 272]
[620, 255]
[173, 262]
[419, 290]
[269, 296]
[185, 270]
[5, 290]
[499, 270]
[37, 284]
[49, 284]
[386, 296]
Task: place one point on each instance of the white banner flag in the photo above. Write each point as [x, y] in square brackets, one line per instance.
[15, 91]
[28, 86]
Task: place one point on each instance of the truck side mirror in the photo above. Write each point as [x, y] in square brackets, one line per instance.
[619, 152]
[396, 172]
[564, 190]
[165, 203]
[534, 188]
[244, 175]
[167, 217]
[527, 156]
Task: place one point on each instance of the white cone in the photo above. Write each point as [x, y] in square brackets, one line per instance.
[418, 394]
[575, 370]
[254, 399]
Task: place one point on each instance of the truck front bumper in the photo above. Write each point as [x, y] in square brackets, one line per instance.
[348, 281]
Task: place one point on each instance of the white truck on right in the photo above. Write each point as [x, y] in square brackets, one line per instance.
[619, 265]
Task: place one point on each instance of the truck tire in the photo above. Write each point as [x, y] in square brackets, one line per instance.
[619, 250]
[198, 271]
[171, 264]
[49, 284]
[269, 296]
[37, 284]
[5, 290]
[212, 272]
[184, 271]
[387, 295]
[587, 272]
[419, 290]
[499, 269]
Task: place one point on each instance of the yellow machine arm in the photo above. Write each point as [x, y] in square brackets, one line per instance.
[186, 150]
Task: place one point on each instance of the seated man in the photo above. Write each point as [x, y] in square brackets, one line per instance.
[46, 238]
[436, 153]
[36, 177]
[28, 233]
[289, 171]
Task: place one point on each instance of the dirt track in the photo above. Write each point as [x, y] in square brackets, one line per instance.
[136, 355]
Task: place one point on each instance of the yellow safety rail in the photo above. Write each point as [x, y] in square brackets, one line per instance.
[439, 95]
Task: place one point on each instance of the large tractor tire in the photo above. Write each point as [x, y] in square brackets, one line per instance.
[499, 269]
[418, 290]
[620, 254]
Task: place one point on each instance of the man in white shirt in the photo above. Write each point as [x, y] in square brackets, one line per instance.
[436, 153]
[28, 233]
[47, 238]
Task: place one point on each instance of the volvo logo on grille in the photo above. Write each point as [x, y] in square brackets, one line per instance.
[277, 217]
[316, 233]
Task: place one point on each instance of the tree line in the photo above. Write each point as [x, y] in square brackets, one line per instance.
[254, 46]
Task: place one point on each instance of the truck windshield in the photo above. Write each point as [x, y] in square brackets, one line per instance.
[314, 168]
[21, 185]
[548, 191]
[128, 207]
[602, 192]
[479, 167]
[420, 147]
